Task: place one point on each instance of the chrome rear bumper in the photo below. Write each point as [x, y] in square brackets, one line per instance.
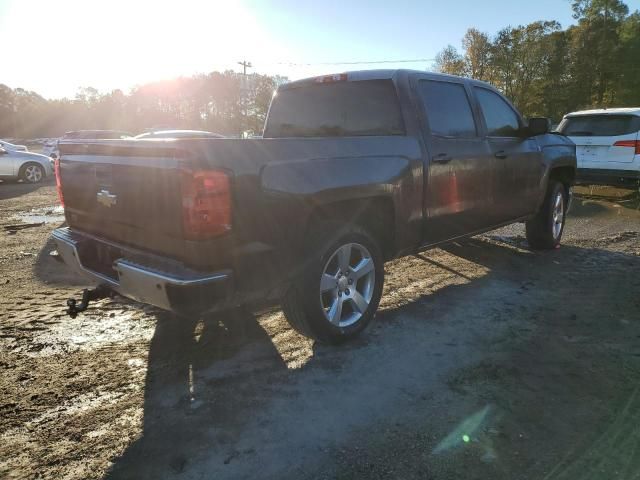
[178, 290]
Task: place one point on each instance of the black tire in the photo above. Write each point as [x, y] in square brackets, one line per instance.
[302, 304]
[543, 231]
[25, 175]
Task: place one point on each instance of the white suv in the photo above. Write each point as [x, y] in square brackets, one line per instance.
[607, 145]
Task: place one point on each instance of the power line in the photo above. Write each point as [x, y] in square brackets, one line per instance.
[362, 62]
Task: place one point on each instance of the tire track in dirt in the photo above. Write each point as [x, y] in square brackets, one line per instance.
[124, 392]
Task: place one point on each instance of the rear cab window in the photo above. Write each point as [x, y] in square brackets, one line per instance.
[599, 125]
[336, 109]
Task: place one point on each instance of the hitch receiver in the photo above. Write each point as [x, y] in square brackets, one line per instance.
[87, 296]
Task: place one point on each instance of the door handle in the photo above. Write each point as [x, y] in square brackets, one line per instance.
[442, 158]
[501, 154]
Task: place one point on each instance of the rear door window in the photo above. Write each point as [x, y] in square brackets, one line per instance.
[500, 118]
[339, 109]
[599, 125]
[447, 108]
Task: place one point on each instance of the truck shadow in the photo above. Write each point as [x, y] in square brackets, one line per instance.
[207, 378]
[53, 270]
[194, 369]
[13, 189]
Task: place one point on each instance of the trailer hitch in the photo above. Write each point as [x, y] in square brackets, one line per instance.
[87, 296]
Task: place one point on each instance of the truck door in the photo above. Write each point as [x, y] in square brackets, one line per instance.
[460, 168]
[519, 162]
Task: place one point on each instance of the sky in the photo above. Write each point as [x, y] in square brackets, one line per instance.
[56, 46]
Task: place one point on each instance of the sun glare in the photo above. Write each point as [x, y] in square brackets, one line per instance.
[118, 44]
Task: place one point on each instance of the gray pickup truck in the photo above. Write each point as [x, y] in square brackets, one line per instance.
[353, 170]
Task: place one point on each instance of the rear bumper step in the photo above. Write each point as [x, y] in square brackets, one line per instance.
[596, 176]
[135, 275]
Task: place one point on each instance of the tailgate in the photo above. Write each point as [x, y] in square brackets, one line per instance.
[603, 150]
[603, 140]
[125, 191]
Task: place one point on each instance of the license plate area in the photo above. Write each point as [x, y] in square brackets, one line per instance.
[99, 257]
[587, 152]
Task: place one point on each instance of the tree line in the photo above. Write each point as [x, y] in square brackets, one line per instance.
[544, 69]
[547, 71]
[221, 102]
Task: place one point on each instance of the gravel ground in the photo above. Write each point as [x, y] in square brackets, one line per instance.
[487, 360]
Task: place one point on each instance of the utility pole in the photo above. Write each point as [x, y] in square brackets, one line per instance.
[245, 65]
[243, 91]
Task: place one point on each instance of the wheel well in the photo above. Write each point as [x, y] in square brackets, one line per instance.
[376, 215]
[565, 175]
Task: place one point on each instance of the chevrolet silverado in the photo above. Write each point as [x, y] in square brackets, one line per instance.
[353, 170]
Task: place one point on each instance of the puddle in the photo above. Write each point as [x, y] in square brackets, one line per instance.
[91, 331]
[42, 215]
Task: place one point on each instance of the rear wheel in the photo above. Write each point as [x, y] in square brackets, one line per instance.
[338, 292]
[544, 231]
[32, 173]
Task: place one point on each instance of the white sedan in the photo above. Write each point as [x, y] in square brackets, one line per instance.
[12, 147]
[26, 166]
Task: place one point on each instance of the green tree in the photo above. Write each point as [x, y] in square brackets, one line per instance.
[596, 50]
[477, 54]
[450, 61]
[627, 79]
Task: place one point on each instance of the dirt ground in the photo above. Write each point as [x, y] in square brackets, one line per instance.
[487, 360]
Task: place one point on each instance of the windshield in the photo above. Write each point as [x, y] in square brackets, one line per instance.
[599, 125]
[96, 134]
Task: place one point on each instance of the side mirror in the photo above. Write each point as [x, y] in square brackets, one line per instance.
[2, 151]
[538, 126]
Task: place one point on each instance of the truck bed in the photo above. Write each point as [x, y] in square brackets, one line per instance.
[144, 176]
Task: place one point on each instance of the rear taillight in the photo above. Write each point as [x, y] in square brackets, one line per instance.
[206, 203]
[629, 143]
[56, 169]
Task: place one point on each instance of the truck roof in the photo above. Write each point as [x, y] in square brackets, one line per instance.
[380, 74]
[606, 111]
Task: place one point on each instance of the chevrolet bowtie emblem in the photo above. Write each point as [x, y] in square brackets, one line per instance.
[106, 198]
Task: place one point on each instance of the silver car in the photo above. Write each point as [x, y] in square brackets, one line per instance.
[12, 147]
[26, 166]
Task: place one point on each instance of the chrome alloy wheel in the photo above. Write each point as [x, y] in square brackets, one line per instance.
[557, 215]
[33, 173]
[347, 284]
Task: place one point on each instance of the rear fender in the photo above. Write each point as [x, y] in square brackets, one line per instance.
[312, 184]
